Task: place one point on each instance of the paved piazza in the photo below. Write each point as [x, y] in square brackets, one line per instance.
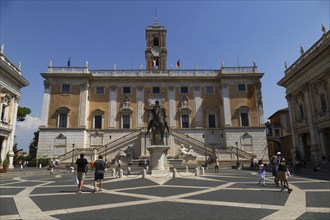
[229, 194]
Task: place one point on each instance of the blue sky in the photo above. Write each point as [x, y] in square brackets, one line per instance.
[202, 33]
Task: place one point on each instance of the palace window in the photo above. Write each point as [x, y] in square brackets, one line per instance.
[99, 90]
[184, 121]
[277, 132]
[66, 88]
[63, 117]
[209, 90]
[211, 120]
[98, 119]
[4, 112]
[126, 90]
[244, 116]
[98, 122]
[4, 109]
[241, 87]
[301, 112]
[321, 97]
[323, 103]
[126, 121]
[184, 90]
[62, 120]
[156, 90]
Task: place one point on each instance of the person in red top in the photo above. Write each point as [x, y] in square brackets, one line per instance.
[92, 166]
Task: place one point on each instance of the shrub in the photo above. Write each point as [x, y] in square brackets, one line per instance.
[6, 161]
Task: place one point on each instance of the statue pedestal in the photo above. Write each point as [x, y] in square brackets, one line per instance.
[158, 159]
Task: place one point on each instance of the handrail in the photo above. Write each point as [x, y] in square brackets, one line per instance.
[197, 143]
[118, 142]
[239, 151]
[73, 153]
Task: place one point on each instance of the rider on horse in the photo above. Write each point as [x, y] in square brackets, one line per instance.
[158, 116]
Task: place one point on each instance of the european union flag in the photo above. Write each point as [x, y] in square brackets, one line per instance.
[69, 62]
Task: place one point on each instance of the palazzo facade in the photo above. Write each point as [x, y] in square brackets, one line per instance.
[11, 82]
[307, 84]
[213, 112]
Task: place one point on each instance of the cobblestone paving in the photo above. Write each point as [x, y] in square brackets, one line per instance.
[229, 194]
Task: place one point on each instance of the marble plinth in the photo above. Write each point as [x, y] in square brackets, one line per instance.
[158, 159]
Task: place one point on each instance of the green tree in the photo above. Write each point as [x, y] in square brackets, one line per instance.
[34, 145]
[22, 112]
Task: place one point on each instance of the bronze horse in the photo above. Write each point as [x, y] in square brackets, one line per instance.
[157, 124]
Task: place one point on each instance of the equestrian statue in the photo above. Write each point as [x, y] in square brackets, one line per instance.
[157, 124]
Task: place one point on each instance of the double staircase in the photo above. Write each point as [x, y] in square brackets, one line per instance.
[116, 145]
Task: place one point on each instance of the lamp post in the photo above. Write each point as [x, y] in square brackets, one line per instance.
[72, 151]
[237, 163]
[105, 154]
[205, 164]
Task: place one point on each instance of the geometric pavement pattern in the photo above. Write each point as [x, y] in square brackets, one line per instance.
[229, 194]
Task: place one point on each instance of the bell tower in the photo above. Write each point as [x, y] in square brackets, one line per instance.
[156, 53]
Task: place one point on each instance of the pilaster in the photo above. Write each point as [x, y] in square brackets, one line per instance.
[113, 107]
[171, 107]
[83, 106]
[226, 105]
[45, 104]
[198, 107]
[140, 104]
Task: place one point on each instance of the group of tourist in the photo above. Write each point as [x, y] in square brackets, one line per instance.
[279, 169]
[280, 172]
[82, 168]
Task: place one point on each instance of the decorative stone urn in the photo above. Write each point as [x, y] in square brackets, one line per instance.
[158, 159]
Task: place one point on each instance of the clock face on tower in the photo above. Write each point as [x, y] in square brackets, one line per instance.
[155, 51]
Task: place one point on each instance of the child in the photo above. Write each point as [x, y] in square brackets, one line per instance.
[262, 173]
[287, 176]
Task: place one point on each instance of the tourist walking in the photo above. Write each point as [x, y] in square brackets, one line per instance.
[51, 167]
[216, 167]
[262, 173]
[275, 163]
[282, 175]
[81, 169]
[99, 167]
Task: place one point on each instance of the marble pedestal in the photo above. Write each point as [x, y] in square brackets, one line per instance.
[158, 159]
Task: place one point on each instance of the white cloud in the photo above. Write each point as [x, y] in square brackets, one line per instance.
[29, 123]
[24, 133]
